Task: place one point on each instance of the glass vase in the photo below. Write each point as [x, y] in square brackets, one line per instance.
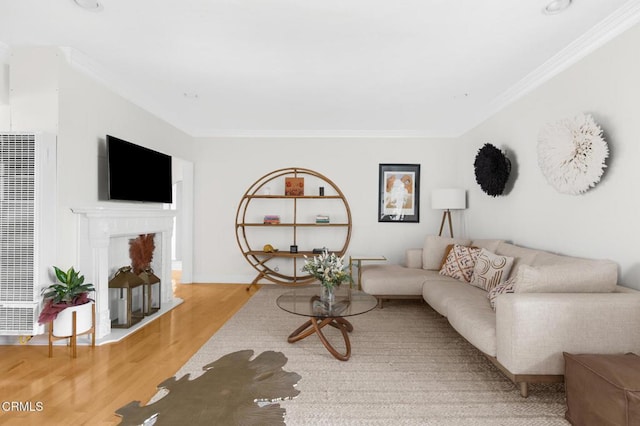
[328, 294]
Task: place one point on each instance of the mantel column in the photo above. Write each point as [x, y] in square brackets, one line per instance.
[93, 262]
[100, 273]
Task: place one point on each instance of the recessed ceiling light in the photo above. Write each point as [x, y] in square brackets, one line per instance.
[556, 6]
[92, 5]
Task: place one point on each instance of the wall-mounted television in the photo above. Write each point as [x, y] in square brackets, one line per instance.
[136, 173]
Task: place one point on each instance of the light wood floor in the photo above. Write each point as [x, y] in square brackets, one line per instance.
[88, 389]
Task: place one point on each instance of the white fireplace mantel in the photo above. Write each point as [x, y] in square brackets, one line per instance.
[97, 227]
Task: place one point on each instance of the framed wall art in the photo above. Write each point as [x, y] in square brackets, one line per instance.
[399, 193]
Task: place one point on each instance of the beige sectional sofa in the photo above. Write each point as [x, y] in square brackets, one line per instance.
[557, 304]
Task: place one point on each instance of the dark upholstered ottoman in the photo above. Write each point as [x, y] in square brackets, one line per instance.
[602, 389]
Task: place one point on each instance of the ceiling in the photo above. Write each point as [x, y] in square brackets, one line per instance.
[423, 68]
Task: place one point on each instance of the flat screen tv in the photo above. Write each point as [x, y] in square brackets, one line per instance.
[137, 173]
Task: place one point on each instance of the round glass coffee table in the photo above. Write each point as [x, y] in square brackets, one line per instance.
[306, 302]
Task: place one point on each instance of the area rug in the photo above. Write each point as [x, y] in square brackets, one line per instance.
[408, 367]
[236, 389]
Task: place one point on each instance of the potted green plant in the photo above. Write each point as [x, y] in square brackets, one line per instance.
[70, 294]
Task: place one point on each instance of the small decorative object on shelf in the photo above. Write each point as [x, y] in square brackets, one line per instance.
[322, 218]
[321, 191]
[330, 270]
[268, 248]
[272, 219]
[293, 248]
[294, 186]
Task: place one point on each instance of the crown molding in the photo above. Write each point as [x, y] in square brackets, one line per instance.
[615, 24]
[606, 30]
[101, 74]
[335, 134]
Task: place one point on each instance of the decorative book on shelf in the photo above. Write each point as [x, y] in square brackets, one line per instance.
[294, 186]
[272, 219]
[322, 218]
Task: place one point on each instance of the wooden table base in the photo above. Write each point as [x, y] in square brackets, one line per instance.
[315, 325]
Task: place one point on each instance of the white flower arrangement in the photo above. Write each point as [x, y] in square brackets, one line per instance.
[328, 268]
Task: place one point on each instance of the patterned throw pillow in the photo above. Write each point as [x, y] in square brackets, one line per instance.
[505, 287]
[490, 270]
[460, 262]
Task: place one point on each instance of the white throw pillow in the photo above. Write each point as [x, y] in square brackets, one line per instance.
[435, 248]
[490, 270]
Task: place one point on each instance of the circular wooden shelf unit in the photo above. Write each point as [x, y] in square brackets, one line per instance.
[253, 248]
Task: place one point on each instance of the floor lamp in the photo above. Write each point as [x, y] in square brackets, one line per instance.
[447, 200]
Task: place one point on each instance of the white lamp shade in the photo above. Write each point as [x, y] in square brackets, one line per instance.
[448, 199]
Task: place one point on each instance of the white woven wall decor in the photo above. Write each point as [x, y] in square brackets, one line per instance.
[572, 153]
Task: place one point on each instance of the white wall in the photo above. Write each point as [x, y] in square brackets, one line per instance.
[225, 168]
[5, 116]
[48, 94]
[600, 224]
[603, 222]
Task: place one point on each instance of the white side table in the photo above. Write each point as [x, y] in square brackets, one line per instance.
[358, 260]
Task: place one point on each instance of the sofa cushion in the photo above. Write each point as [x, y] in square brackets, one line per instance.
[413, 258]
[580, 276]
[435, 249]
[490, 270]
[474, 319]
[394, 280]
[521, 255]
[439, 293]
[459, 263]
[489, 244]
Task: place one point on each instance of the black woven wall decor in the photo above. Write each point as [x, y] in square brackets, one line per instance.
[492, 169]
